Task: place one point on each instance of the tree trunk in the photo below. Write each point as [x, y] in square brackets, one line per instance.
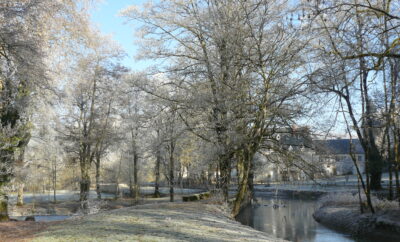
[20, 195]
[361, 180]
[359, 195]
[3, 205]
[390, 181]
[396, 175]
[217, 177]
[368, 186]
[135, 174]
[396, 167]
[390, 160]
[179, 181]
[244, 159]
[225, 177]
[84, 185]
[54, 180]
[117, 191]
[209, 175]
[131, 189]
[157, 174]
[171, 171]
[97, 163]
[375, 170]
[251, 179]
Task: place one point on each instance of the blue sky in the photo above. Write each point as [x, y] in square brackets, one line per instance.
[106, 18]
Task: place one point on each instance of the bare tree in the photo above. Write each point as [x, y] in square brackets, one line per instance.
[88, 122]
[27, 28]
[231, 61]
[354, 31]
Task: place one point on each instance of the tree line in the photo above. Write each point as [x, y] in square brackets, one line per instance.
[228, 77]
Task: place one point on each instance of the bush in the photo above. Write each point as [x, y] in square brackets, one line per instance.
[351, 199]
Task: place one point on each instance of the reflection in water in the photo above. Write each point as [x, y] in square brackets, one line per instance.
[289, 219]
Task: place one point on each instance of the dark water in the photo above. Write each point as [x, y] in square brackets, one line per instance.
[289, 219]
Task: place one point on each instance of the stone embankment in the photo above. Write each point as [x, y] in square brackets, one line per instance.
[190, 221]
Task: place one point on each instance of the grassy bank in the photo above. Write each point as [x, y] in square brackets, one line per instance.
[192, 221]
[341, 211]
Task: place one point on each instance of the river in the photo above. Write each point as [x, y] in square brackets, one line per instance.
[289, 219]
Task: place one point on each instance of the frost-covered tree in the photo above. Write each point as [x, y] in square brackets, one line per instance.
[29, 28]
[233, 63]
[356, 61]
[90, 106]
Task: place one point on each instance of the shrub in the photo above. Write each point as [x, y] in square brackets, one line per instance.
[351, 199]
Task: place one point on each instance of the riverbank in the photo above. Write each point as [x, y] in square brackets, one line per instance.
[192, 221]
[342, 212]
[350, 220]
[71, 208]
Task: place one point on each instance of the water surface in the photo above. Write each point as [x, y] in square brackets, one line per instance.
[289, 219]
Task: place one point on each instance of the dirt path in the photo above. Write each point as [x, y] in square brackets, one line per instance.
[154, 222]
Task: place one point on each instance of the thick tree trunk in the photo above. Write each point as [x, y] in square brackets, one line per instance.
[251, 180]
[375, 170]
[396, 167]
[3, 205]
[84, 185]
[225, 177]
[6, 173]
[20, 195]
[244, 159]
[376, 177]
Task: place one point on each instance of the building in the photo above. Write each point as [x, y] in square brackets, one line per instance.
[301, 158]
[288, 157]
[336, 155]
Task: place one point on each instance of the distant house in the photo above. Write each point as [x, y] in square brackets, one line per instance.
[335, 155]
[295, 153]
[310, 158]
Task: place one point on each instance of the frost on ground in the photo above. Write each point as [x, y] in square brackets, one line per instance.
[155, 222]
[341, 211]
